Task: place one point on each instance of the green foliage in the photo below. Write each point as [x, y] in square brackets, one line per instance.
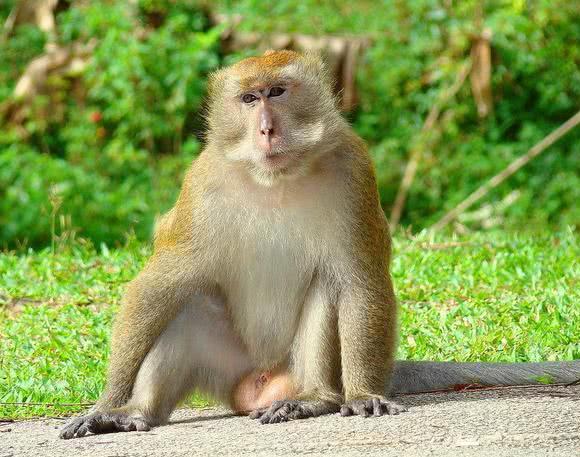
[114, 154]
[39, 188]
[114, 140]
[534, 94]
[26, 44]
[485, 297]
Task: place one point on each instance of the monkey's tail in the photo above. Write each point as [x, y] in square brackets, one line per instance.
[413, 377]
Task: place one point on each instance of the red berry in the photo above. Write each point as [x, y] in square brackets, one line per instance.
[96, 116]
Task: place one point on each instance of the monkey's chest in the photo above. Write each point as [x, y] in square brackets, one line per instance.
[268, 278]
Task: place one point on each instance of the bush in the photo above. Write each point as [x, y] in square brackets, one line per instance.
[536, 87]
[114, 141]
[38, 189]
[116, 151]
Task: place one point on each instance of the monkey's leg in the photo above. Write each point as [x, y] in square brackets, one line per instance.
[151, 302]
[367, 328]
[197, 350]
[315, 362]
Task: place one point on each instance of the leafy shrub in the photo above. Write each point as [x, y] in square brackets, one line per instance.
[117, 137]
[38, 188]
[536, 84]
[117, 152]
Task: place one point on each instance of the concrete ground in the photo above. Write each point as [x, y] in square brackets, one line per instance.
[528, 422]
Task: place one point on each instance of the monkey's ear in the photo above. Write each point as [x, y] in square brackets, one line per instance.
[216, 82]
[315, 63]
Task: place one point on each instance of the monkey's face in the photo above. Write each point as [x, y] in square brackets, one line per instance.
[274, 115]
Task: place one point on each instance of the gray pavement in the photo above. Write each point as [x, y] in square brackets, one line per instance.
[527, 422]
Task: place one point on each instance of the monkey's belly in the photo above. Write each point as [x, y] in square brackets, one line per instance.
[265, 297]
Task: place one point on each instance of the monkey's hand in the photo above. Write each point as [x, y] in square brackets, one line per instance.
[375, 406]
[288, 410]
[103, 423]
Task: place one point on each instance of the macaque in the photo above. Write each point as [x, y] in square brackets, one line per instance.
[269, 285]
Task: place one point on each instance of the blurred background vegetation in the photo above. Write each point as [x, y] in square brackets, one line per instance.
[101, 104]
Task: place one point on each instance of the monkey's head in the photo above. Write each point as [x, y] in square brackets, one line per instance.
[275, 114]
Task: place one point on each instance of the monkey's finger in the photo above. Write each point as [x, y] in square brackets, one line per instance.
[265, 419]
[131, 427]
[142, 426]
[393, 408]
[84, 426]
[257, 413]
[269, 417]
[369, 406]
[289, 408]
[131, 424]
[277, 413]
[82, 431]
[299, 413]
[377, 407]
[284, 411]
[70, 430]
[126, 426]
[359, 408]
[67, 433]
[276, 419]
[275, 407]
[345, 411]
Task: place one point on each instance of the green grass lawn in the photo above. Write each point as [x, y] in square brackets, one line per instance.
[493, 297]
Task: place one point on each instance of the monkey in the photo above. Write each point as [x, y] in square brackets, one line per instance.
[274, 259]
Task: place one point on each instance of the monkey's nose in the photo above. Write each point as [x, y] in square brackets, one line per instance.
[266, 123]
[268, 131]
[266, 126]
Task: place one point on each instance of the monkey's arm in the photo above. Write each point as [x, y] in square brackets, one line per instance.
[421, 376]
[367, 309]
[367, 329]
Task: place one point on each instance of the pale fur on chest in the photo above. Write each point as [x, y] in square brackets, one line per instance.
[271, 241]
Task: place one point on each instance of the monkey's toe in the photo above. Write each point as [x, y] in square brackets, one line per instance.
[115, 422]
[283, 411]
[257, 413]
[99, 423]
[289, 410]
[70, 430]
[374, 406]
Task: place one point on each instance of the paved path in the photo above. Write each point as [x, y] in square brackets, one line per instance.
[512, 423]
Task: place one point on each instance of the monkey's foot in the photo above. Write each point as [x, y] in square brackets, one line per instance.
[288, 410]
[103, 423]
[375, 406]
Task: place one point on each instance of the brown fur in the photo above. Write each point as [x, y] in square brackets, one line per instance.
[291, 265]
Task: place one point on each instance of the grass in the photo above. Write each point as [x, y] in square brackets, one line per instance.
[493, 297]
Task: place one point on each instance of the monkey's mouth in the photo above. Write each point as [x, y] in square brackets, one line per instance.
[276, 161]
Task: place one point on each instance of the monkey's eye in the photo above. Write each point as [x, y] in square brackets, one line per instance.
[249, 98]
[276, 91]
